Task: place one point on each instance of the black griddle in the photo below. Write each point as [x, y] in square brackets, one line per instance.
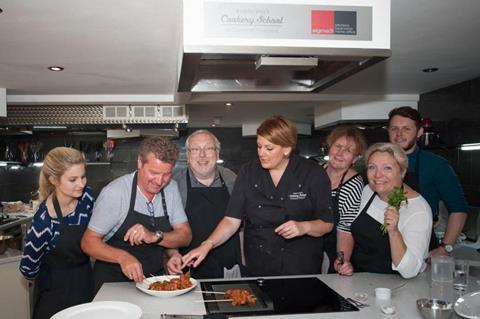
[277, 296]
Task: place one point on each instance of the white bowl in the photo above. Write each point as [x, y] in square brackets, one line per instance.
[143, 286]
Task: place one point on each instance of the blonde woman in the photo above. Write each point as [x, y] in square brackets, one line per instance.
[52, 256]
[404, 247]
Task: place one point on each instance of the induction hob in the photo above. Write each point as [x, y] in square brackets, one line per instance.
[277, 296]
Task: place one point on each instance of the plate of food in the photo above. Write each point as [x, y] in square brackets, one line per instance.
[167, 286]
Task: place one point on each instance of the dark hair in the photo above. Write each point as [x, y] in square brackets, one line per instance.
[279, 130]
[351, 133]
[161, 147]
[408, 112]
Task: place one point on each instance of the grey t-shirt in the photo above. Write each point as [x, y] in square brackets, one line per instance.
[111, 207]
[180, 177]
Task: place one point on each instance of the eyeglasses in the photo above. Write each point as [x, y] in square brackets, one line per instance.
[151, 212]
[209, 150]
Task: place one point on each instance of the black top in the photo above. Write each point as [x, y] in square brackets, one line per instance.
[303, 188]
[302, 194]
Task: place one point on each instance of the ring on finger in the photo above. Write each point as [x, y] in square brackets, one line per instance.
[135, 231]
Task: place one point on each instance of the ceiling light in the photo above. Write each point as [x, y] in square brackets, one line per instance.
[430, 70]
[55, 68]
[228, 104]
[470, 147]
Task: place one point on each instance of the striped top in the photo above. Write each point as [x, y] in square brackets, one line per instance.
[349, 201]
[43, 234]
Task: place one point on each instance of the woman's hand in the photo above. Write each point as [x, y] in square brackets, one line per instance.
[138, 234]
[291, 229]
[391, 217]
[174, 264]
[345, 268]
[196, 256]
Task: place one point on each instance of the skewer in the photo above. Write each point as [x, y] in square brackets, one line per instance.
[214, 300]
[210, 292]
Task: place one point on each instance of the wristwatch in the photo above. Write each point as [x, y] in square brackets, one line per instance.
[448, 248]
[159, 235]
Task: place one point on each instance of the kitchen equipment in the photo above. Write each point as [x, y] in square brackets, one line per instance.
[434, 308]
[4, 242]
[468, 306]
[143, 286]
[277, 296]
[101, 310]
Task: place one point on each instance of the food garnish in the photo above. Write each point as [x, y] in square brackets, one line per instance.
[179, 283]
[395, 199]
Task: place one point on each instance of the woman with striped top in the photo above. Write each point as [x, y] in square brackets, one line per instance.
[52, 257]
[346, 144]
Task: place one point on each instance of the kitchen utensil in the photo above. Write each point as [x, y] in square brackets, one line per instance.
[357, 303]
[210, 292]
[434, 308]
[215, 300]
[468, 306]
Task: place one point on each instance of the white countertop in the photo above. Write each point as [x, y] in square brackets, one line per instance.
[403, 298]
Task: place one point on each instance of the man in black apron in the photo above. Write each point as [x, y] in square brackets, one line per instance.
[205, 189]
[136, 216]
[404, 128]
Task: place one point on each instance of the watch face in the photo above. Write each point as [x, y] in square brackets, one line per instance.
[448, 248]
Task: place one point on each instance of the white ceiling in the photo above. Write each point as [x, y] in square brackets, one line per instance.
[127, 52]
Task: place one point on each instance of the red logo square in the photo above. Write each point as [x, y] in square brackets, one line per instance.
[323, 22]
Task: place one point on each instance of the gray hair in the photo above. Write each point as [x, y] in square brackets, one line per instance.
[396, 151]
[197, 132]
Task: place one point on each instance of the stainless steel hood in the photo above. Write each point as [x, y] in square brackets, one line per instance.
[277, 47]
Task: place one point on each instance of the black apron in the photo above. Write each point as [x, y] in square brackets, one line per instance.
[371, 250]
[205, 208]
[268, 254]
[412, 180]
[149, 255]
[330, 239]
[65, 276]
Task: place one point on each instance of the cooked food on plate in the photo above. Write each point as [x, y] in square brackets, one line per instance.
[240, 297]
[179, 283]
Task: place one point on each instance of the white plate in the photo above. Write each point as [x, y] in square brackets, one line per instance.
[101, 310]
[468, 306]
[143, 286]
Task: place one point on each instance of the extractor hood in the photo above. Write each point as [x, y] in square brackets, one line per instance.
[276, 46]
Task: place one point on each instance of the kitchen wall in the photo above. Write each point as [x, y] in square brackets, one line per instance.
[455, 112]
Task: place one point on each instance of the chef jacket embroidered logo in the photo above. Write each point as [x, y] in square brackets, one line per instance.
[297, 196]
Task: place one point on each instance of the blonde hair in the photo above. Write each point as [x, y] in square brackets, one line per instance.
[396, 151]
[57, 161]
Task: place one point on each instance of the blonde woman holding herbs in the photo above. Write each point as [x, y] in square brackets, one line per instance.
[384, 238]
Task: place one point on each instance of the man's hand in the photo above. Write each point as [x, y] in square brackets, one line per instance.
[138, 234]
[174, 264]
[131, 267]
[439, 251]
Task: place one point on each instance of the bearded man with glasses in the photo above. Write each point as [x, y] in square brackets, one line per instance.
[136, 217]
[205, 188]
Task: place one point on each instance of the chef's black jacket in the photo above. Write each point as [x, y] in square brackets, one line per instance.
[302, 194]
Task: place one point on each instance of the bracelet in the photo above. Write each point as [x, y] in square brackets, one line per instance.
[208, 241]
